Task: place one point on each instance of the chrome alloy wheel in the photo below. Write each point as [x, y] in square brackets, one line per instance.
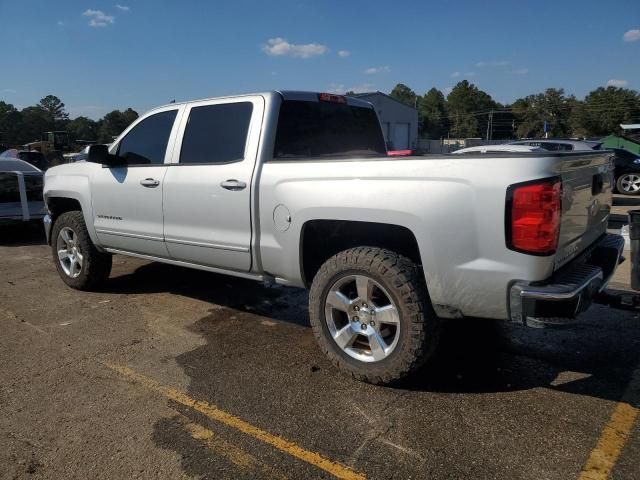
[362, 318]
[630, 183]
[69, 253]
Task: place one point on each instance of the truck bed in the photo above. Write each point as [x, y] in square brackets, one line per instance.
[455, 205]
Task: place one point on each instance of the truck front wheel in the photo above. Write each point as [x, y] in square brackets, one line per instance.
[79, 263]
[371, 314]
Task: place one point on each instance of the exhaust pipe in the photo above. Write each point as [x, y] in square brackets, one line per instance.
[634, 237]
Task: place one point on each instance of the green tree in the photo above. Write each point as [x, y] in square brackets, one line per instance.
[465, 104]
[114, 123]
[551, 106]
[604, 109]
[33, 122]
[404, 94]
[54, 109]
[10, 120]
[83, 128]
[432, 112]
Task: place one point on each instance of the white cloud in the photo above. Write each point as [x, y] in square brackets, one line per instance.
[617, 83]
[374, 70]
[60, 23]
[98, 18]
[124, 8]
[521, 71]
[341, 89]
[344, 53]
[337, 88]
[455, 74]
[278, 47]
[492, 63]
[631, 35]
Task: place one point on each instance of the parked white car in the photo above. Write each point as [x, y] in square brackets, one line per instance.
[560, 144]
[497, 149]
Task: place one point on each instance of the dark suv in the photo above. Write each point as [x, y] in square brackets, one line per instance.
[627, 172]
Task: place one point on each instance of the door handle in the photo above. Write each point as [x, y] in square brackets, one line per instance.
[150, 182]
[233, 185]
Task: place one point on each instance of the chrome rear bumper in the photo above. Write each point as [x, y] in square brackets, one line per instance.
[559, 299]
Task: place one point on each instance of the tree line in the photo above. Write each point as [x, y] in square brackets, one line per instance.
[465, 112]
[468, 112]
[18, 127]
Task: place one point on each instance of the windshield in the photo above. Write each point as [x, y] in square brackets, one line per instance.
[15, 165]
[327, 129]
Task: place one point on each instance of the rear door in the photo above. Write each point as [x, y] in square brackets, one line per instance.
[207, 189]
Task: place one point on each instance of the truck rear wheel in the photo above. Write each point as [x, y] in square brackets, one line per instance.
[371, 314]
[79, 263]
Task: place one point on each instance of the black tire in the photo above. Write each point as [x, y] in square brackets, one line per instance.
[419, 327]
[620, 187]
[96, 266]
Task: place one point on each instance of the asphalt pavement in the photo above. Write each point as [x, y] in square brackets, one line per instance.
[175, 373]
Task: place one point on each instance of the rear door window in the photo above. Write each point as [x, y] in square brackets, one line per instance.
[216, 133]
[327, 129]
[146, 143]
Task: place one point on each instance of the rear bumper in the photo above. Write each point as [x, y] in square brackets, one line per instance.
[559, 299]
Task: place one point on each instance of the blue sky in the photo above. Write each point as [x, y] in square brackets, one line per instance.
[101, 55]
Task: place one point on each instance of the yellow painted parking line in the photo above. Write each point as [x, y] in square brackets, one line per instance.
[211, 411]
[232, 452]
[614, 435]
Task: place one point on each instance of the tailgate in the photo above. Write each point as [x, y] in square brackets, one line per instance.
[586, 201]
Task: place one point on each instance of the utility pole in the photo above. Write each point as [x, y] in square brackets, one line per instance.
[490, 125]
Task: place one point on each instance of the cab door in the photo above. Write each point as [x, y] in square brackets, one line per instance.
[207, 189]
[127, 199]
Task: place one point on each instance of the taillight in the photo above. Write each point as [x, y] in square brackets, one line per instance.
[330, 97]
[533, 217]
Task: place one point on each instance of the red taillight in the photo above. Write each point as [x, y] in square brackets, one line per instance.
[399, 153]
[330, 97]
[533, 222]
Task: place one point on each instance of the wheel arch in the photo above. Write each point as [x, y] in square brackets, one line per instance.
[321, 239]
[60, 202]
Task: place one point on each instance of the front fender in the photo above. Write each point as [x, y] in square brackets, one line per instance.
[75, 187]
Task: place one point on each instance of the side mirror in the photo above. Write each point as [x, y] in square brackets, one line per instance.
[100, 154]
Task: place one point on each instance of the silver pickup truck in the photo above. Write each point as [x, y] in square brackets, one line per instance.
[296, 188]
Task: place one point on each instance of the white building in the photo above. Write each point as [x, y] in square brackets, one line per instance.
[399, 121]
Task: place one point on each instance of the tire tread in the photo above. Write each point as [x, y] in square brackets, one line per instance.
[406, 279]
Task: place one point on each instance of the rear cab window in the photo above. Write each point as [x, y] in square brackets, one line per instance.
[308, 129]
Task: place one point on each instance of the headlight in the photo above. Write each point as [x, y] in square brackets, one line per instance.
[637, 161]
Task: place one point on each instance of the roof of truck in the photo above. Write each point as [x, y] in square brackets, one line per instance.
[302, 95]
